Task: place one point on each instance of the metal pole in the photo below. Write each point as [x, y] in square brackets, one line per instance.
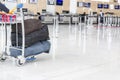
[23, 32]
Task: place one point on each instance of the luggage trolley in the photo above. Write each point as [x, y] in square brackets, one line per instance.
[21, 53]
[5, 22]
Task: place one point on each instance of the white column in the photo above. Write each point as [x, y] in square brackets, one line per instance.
[73, 6]
[51, 8]
[119, 1]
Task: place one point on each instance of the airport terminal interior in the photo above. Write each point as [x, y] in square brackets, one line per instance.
[60, 40]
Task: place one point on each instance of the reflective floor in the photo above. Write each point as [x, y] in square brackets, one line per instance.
[77, 53]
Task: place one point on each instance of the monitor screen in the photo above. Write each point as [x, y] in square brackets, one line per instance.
[100, 5]
[106, 6]
[43, 10]
[117, 6]
[33, 1]
[23, 9]
[59, 2]
[94, 12]
[50, 2]
[87, 5]
[65, 12]
[80, 4]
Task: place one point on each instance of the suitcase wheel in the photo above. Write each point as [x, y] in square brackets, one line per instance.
[20, 61]
[2, 58]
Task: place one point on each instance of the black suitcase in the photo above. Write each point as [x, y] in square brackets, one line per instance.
[41, 34]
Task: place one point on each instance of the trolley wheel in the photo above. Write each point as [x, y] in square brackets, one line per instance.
[20, 61]
[2, 58]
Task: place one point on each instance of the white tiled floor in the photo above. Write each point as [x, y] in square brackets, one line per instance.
[85, 54]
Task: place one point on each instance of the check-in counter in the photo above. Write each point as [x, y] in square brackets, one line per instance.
[47, 18]
[75, 18]
[65, 18]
